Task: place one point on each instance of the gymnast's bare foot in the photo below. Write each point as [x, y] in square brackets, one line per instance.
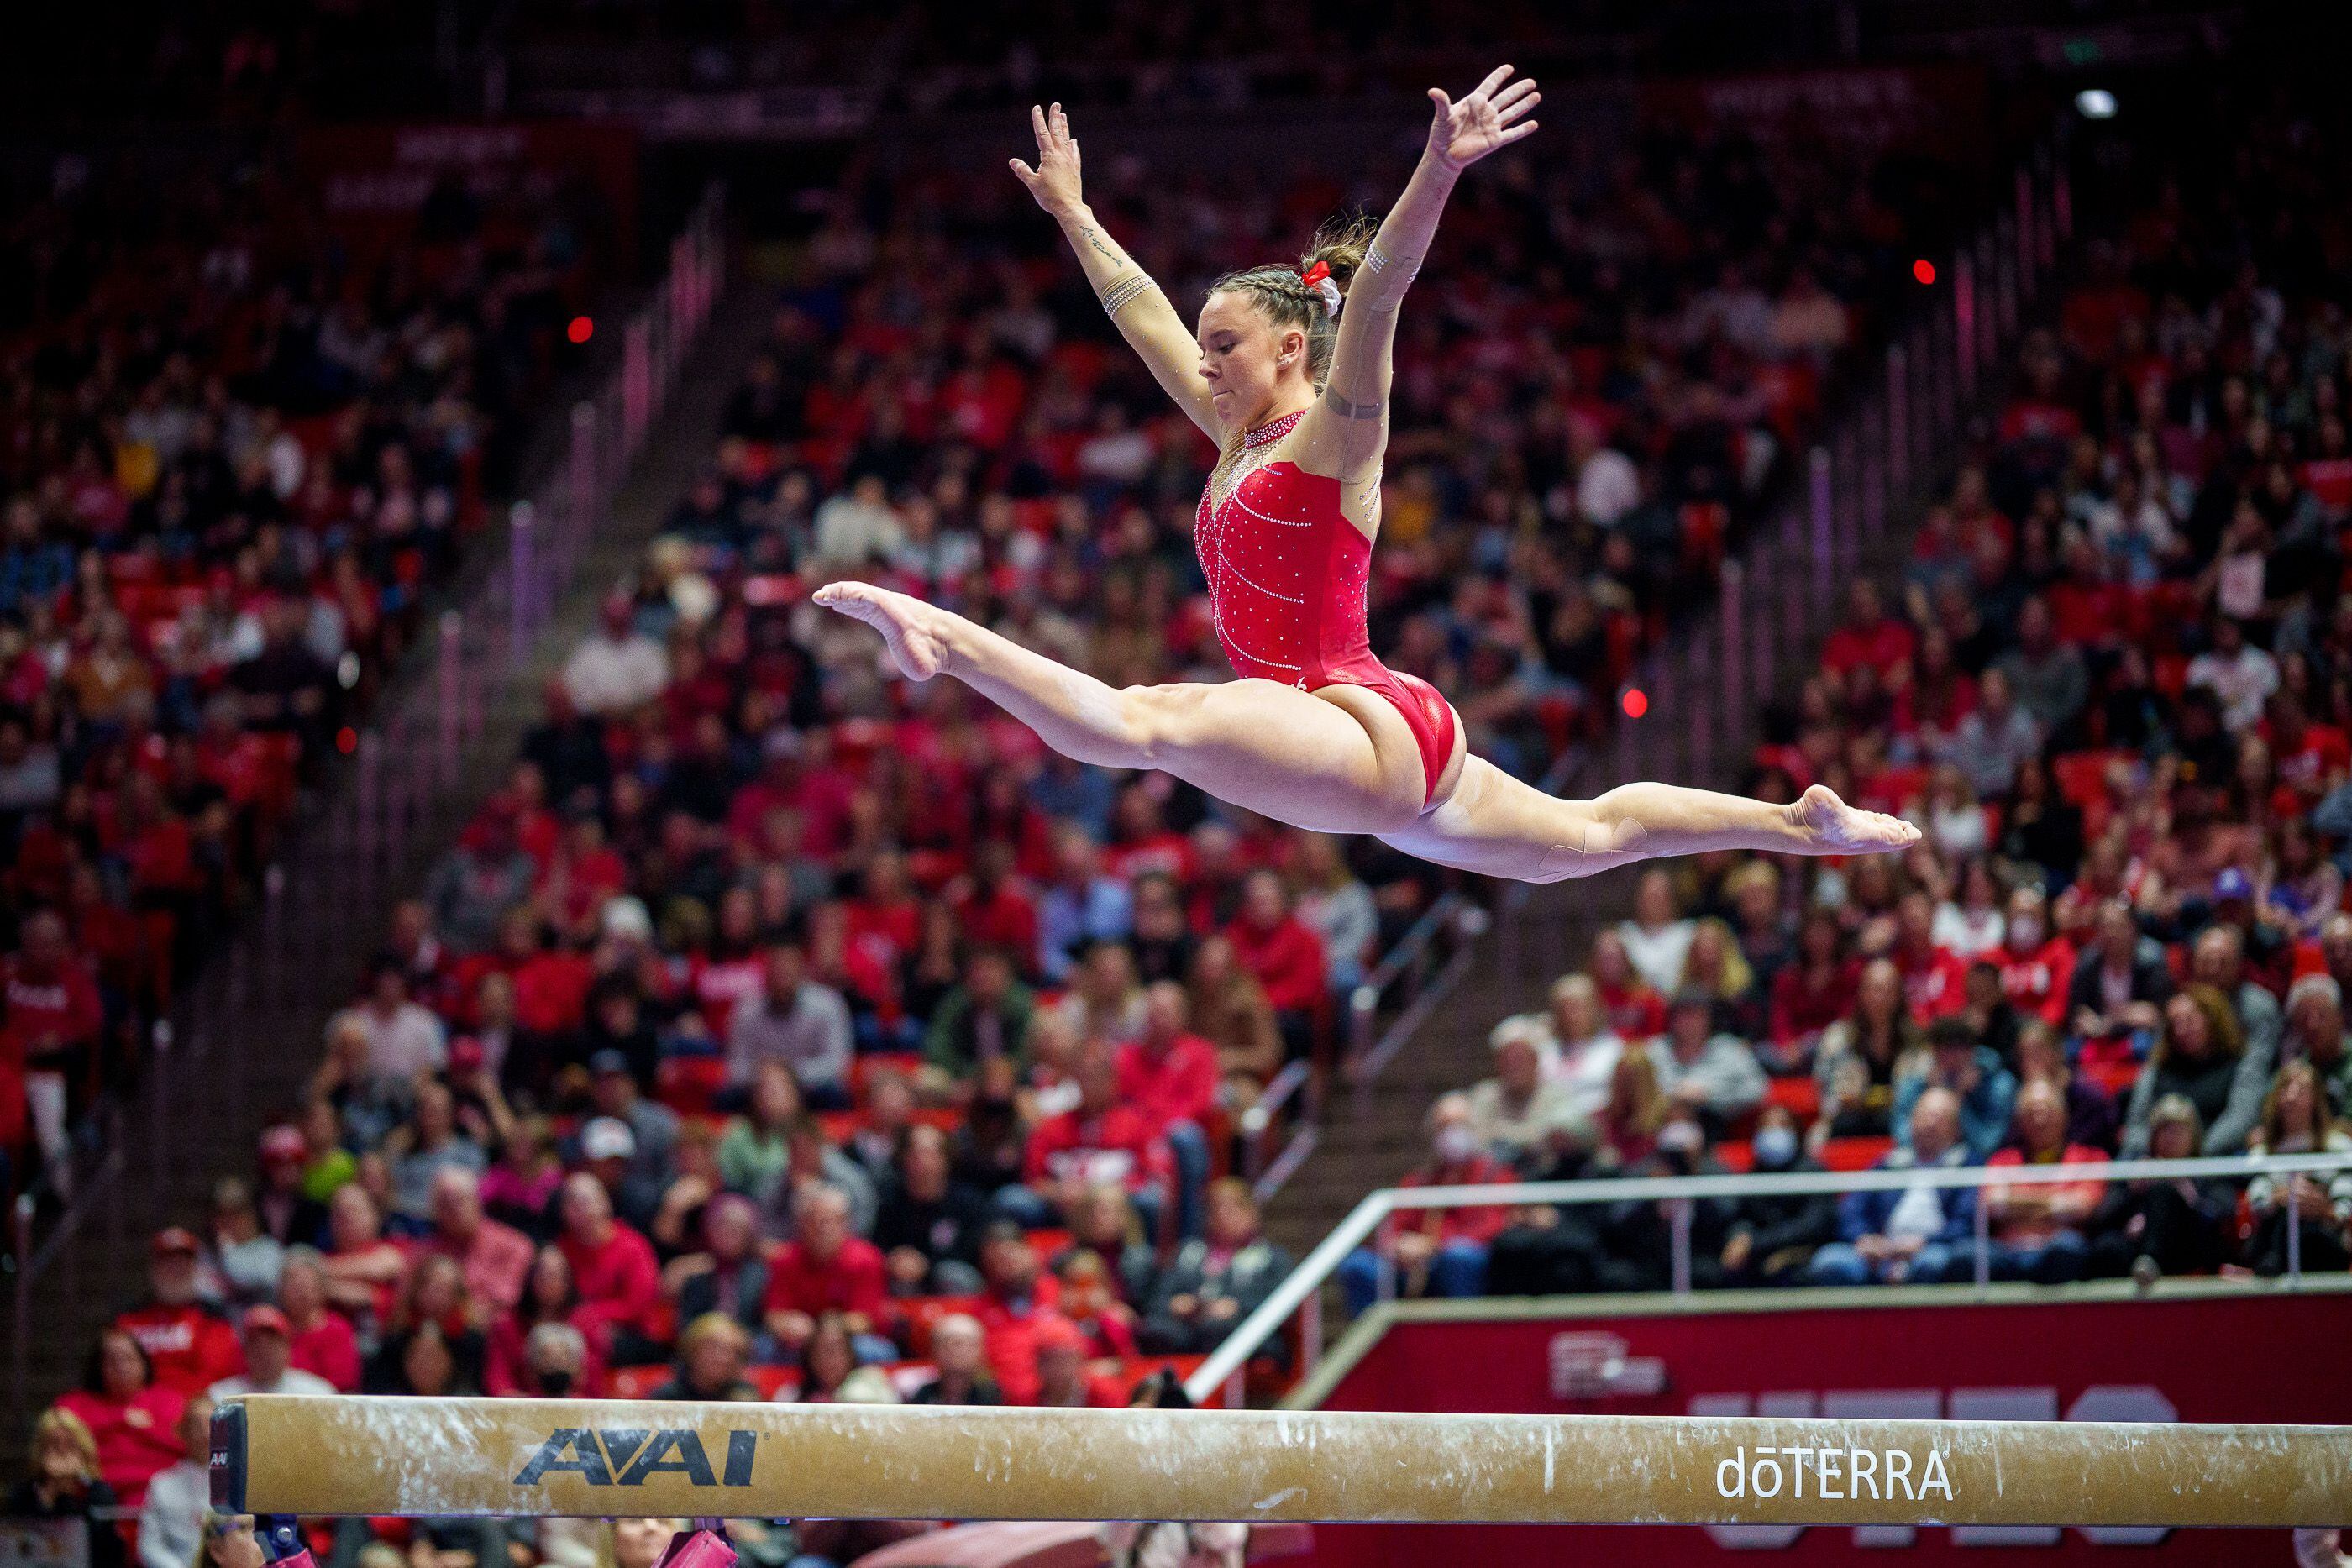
[909, 626]
[1835, 828]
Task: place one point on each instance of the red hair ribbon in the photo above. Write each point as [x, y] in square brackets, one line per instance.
[1318, 279]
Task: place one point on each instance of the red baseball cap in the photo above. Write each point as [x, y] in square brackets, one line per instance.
[265, 1317]
[173, 1239]
[1061, 1333]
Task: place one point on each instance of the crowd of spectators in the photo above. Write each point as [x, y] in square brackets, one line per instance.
[2111, 687]
[781, 1031]
[234, 452]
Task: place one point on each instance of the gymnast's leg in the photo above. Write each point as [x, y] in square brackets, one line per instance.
[1268, 747]
[1493, 823]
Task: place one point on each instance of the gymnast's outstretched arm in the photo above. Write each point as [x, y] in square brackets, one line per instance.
[1137, 306]
[1345, 434]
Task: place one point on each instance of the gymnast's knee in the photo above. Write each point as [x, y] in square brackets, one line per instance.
[1603, 839]
[1154, 720]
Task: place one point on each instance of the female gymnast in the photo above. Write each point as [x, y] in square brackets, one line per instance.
[1317, 733]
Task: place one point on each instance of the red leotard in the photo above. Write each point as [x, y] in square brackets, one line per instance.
[1288, 578]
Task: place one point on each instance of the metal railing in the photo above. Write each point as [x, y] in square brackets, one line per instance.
[1282, 1127]
[1217, 1379]
[247, 1016]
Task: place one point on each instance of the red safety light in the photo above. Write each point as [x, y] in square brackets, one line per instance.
[1924, 271]
[347, 740]
[583, 328]
[1636, 702]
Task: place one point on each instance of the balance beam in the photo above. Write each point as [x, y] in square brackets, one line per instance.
[329, 1455]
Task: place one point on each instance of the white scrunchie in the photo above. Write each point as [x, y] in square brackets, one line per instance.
[1329, 290]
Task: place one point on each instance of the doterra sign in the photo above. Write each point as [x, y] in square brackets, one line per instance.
[1892, 1474]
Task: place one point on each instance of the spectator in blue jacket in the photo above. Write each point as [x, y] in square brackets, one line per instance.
[1909, 1235]
[1984, 1089]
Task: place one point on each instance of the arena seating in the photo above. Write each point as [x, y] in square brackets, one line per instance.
[2108, 687]
[242, 453]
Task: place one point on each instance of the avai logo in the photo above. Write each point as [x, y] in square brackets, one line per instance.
[630, 1455]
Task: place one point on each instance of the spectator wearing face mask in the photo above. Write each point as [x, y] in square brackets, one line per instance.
[555, 1363]
[1434, 1251]
[1772, 1237]
[2036, 965]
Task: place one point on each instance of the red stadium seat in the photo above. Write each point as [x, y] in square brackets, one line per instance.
[1854, 1154]
[1800, 1095]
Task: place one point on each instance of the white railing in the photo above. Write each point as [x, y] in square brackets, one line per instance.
[1217, 1379]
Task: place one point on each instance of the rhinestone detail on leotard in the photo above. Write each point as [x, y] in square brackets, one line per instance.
[1289, 580]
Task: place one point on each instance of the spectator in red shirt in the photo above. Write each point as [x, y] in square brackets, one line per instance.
[1169, 1075]
[1286, 956]
[1101, 1138]
[2038, 1230]
[612, 1266]
[1934, 979]
[50, 1019]
[1064, 1375]
[1434, 1251]
[551, 1296]
[319, 1339]
[825, 1269]
[188, 1345]
[495, 1257]
[134, 1418]
[2037, 964]
[1869, 639]
[1637, 1012]
[1020, 1299]
[1811, 993]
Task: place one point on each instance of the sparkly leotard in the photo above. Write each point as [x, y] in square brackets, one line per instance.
[1288, 578]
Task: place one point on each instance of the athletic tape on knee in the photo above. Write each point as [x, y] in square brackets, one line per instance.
[1600, 842]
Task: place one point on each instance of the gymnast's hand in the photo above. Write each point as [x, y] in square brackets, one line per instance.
[1463, 132]
[1055, 180]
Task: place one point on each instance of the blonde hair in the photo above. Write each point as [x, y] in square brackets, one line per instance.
[59, 1423]
[1281, 292]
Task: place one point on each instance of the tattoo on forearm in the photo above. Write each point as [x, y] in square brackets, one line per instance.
[1120, 293]
[1094, 239]
[1347, 410]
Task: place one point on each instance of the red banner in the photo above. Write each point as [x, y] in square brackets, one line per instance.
[375, 180]
[1941, 110]
[2260, 1358]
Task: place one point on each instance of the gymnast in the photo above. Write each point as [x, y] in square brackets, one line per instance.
[1317, 733]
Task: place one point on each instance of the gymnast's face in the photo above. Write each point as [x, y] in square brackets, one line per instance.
[1245, 358]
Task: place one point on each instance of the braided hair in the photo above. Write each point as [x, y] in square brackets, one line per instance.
[1282, 292]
